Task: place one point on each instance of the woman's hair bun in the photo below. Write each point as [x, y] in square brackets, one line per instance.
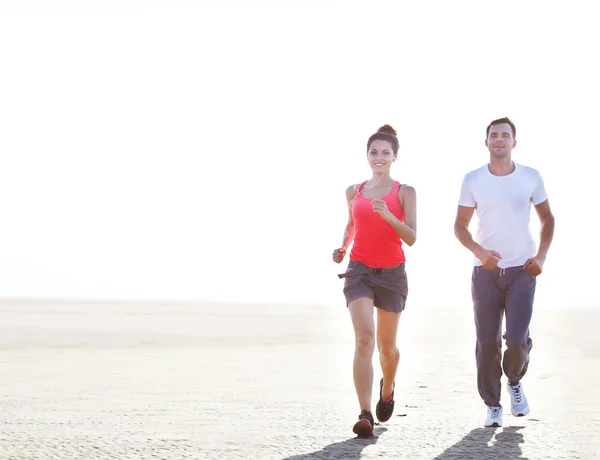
[385, 133]
[387, 129]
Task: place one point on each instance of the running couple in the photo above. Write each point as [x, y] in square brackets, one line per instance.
[383, 216]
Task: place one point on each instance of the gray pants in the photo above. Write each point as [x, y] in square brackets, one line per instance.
[496, 292]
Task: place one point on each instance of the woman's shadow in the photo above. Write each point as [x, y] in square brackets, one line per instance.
[350, 449]
[475, 445]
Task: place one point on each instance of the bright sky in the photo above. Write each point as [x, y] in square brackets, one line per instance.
[180, 150]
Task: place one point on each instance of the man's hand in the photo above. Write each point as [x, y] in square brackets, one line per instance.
[489, 258]
[338, 255]
[534, 265]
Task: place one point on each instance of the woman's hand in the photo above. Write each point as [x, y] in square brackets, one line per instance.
[380, 207]
[338, 255]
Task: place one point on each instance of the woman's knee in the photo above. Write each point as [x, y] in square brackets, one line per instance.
[387, 348]
[365, 342]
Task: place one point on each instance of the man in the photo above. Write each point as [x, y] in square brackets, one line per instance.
[506, 264]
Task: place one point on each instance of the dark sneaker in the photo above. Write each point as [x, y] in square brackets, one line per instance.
[364, 427]
[385, 409]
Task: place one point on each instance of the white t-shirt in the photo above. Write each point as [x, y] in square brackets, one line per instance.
[503, 206]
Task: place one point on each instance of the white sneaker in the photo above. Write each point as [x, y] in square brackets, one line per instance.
[518, 401]
[494, 416]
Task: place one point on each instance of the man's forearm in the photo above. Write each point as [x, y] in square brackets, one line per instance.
[466, 239]
[546, 235]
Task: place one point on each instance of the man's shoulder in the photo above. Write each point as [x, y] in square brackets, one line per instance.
[528, 170]
[475, 173]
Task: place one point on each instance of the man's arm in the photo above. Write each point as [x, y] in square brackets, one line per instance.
[464, 214]
[547, 228]
[535, 265]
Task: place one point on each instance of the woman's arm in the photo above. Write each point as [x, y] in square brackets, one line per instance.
[339, 253]
[349, 232]
[407, 230]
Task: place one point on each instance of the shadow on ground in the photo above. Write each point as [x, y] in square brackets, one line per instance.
[487, 443]
[350, 449]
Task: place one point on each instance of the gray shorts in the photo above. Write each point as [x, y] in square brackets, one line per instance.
[388, 287]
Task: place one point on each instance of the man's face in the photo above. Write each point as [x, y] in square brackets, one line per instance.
[500, 141]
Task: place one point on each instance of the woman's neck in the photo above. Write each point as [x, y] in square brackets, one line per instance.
[383, 178]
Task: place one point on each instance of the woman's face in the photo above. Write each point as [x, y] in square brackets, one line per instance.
[380, 155]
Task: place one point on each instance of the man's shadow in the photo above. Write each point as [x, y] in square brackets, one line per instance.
[475, 445]
[350, 449]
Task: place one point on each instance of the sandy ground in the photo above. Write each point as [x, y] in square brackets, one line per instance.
[158, 381]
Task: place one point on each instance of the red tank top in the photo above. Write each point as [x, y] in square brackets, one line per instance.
[376, 244]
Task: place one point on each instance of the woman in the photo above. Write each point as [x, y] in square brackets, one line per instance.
[382, 216]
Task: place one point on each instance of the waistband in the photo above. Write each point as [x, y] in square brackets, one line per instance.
[368, 270]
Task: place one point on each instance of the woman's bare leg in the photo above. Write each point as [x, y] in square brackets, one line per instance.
[389, 355]
[361, 311]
